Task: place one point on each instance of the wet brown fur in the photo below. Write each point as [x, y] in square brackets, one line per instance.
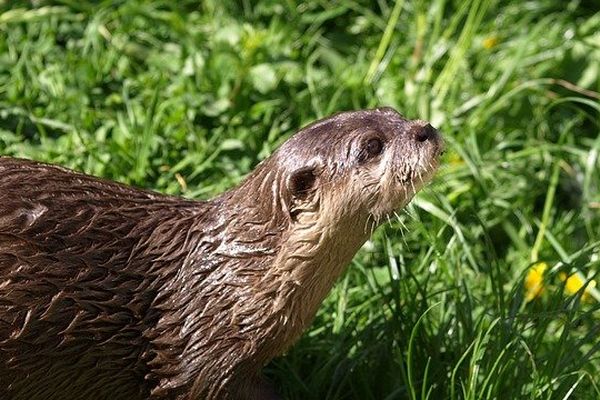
[111, 292]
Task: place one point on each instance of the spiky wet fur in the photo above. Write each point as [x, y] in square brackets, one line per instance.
[110, 292]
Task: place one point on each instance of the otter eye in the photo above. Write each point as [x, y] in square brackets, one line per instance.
[370, 148]
[374, 147]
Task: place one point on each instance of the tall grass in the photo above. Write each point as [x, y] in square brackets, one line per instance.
[186, 97]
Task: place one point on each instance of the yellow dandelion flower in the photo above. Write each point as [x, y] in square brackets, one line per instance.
[574, 283]
[534, 281]
[490, 42]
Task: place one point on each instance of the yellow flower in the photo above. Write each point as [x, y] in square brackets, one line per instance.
[534, 281]
[574, 283]
[490, 42]
[455, 159]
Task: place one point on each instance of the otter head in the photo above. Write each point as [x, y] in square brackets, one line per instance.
[354, 169]
[301, 215]
[335, 180]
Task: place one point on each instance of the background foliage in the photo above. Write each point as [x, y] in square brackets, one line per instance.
[186, 97]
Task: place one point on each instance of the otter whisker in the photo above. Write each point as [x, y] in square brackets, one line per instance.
[374, 225]
[400, 221]
[402, 229]
[367, 223]
[409, 214]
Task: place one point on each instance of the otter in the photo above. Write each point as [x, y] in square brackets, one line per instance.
[112, 292]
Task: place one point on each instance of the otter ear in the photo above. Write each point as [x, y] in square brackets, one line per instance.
[302, 182]
[302, 187]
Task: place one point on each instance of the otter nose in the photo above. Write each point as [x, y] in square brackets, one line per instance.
[424, 133]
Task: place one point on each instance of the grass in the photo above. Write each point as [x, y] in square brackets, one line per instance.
[186, 98]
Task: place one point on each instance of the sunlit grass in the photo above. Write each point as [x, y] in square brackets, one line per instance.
[442, 304]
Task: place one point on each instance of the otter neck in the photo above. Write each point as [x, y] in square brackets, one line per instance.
[294, 262]
[308, 263]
